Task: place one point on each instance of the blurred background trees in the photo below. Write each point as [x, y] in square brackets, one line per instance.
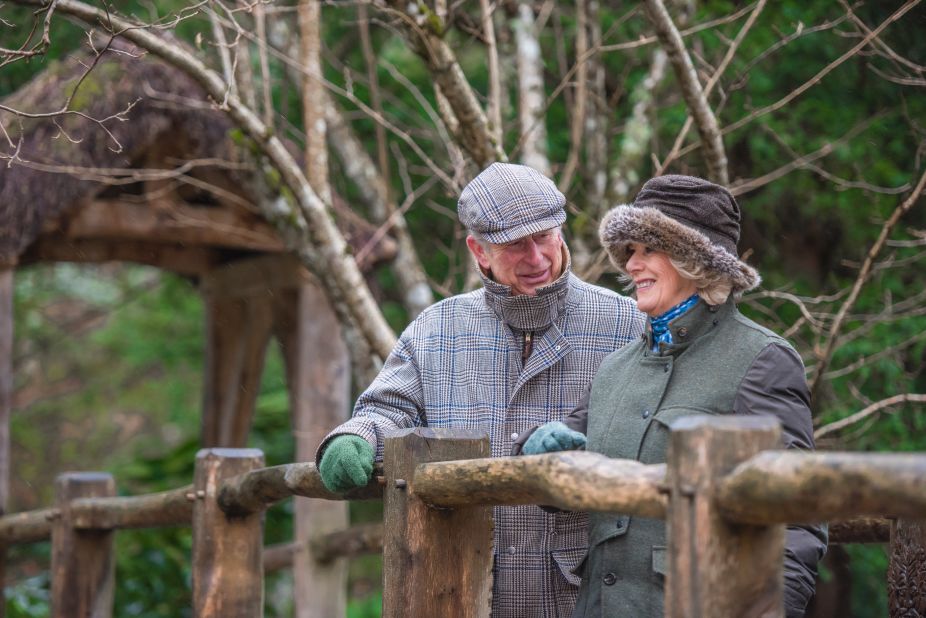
[811, 112]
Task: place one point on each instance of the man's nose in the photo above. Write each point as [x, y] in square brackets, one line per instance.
[532, 252]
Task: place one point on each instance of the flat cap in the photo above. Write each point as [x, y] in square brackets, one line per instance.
[506, 202]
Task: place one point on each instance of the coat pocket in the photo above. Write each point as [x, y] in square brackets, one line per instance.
[568, 561]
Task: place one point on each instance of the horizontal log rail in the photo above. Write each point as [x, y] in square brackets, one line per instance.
[572, 480]
[256, 490]
[27, 527]
[167, 508]
[791, 487]
[860, 530]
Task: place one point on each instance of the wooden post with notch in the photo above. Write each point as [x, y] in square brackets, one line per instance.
[82, 574]
[906, 575]
[436, 562]
[228, 576]
[716, 568]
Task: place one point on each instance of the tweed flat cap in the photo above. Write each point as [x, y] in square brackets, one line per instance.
[506, 202]
[690, 219]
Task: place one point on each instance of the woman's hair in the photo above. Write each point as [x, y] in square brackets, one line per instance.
[713, 287]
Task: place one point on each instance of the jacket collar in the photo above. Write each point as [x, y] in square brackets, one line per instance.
[529, 313]
[690, 326]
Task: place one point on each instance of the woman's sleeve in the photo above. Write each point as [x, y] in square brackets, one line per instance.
[775, 385]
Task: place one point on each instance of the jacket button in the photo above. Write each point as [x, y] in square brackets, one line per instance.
[514, 436]
[683, 332]
[645, 414]
[609, 579]
[512, 550]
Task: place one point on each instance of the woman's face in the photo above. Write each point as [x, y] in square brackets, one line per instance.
[659, 286]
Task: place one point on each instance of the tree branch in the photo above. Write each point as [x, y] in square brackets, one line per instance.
[328, 255]
[695, 98]
[825, 355]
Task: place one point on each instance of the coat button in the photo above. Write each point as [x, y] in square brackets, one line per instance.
[645, 414]
[609, 579]
[512, 550]
[514, 436]
[665, 368]
[683, 332]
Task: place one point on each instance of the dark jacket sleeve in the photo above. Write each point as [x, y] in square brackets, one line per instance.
[577, 421]
[775, 385]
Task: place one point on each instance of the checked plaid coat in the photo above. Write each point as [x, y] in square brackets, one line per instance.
[459, 364]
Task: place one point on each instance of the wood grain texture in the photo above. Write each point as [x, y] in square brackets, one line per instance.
[436, 562]
[166, 508]
[716, 568]
[573, 480]
[784, 486]
[228, 578]
[82, 567]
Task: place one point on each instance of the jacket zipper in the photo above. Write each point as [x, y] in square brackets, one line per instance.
[528, 347]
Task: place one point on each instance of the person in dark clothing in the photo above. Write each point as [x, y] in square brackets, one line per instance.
[676, 246]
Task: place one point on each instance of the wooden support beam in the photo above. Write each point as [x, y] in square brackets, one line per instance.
[192, 261]
[906, 575]
[572, 480]
[716, 568]
[82, 568]
[168, 220]
[318, 374]
[237, 333]
[228, 578]
[795, 487]
[257, 275]
[435, 562]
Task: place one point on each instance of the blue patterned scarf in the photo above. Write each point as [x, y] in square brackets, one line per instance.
[660, 324]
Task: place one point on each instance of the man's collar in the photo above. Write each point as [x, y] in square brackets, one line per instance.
[529, 313]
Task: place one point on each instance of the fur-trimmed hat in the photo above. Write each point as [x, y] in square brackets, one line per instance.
[690, 219]
[506, 202]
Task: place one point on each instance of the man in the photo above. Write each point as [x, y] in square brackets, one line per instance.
[517, 353]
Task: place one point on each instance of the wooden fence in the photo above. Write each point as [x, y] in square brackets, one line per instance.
[723, 492]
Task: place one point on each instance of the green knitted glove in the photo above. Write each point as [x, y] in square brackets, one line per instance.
[346, 463]
[553, 437]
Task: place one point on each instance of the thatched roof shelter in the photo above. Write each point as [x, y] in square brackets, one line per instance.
[141, 168]
[144, 168]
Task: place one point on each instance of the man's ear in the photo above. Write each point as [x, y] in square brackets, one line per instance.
[478, 252]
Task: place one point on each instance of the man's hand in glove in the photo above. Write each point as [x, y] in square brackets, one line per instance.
[551, 438]
[346, 463]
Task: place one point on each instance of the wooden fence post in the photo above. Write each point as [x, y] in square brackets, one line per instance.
[718, 569]
[436, 562]
[906, 575]
[228, 577]
[82, 575]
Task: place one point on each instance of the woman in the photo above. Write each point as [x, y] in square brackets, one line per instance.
[676, 245]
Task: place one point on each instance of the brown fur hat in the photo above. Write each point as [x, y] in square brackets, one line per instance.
[691, 219]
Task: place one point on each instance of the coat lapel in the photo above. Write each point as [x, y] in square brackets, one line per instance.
[548, 350]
